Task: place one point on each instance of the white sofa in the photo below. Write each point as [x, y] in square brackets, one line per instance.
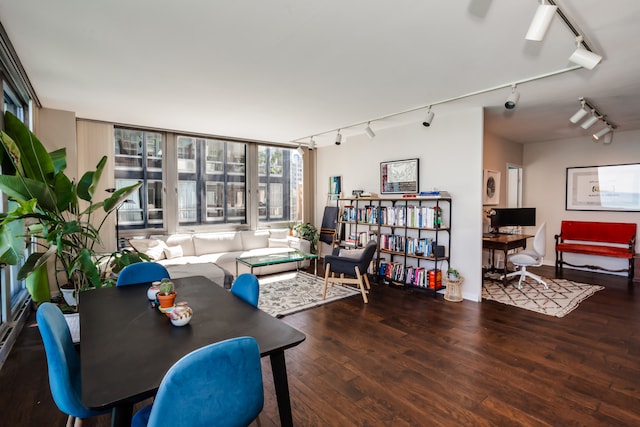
[214, 254]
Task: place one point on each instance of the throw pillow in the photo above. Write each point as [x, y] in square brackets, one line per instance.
[351, 253]
[152, 247]
[173, 252]
[278, 243]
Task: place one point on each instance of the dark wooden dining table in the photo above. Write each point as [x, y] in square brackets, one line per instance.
[127, 345]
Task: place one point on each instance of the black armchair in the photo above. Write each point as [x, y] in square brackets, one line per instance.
[351, 267]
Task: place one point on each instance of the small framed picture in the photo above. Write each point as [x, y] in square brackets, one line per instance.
[399, 176]
[491, 188]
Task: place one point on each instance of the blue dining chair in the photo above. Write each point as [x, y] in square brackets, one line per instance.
[141, 272]
[217, 385]
[63, 362]
[247, 287]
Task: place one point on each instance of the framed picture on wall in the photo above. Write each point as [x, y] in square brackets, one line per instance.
[491, 187]
[604, 188]
[399, 176]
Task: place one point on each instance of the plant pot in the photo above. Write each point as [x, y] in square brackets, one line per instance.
[166, 301]
[69, 295]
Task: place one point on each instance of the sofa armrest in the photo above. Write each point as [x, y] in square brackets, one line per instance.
[297, 243]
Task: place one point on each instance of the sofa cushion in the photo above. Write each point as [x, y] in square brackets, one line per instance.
[152, 247]
[171, 252]
[278, 243]
[254, 239]
[210, 243]
[279, 233]
[184, 240]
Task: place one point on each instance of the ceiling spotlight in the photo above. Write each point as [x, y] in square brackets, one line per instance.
[427, 121]
[541, 21]
[579, 115]
[608, 138]
[602, 132]
[370, 133]
[312, 144]
[584, 57]
[590, 121]
[338, 138]
[300, 150]
[513, 98]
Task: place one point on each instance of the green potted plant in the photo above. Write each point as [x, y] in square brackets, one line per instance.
[308, 232]
[167, 294]
[118, 260]
[453, 275]
[62, 217]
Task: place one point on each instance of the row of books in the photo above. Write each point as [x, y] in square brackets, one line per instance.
[401, 216]
[410, 275]
[412, 216]
[366, 214]
[412, 245]
[358, 239]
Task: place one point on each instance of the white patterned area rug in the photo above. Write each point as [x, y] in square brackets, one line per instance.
[562, 297]
[292, 292]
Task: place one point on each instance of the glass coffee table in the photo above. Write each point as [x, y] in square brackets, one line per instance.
[280, 258]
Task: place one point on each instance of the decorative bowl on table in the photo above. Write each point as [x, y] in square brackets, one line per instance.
[181, 314]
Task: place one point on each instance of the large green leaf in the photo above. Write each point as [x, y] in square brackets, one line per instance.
[119, 196]
[35, 261]
[35, 159]
[10, 155]
[20, 188]
[38, 285]
[59, 159]
[89, 181]
[11, 245]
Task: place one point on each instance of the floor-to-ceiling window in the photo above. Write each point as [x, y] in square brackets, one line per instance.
[280, 184]
[139, 157]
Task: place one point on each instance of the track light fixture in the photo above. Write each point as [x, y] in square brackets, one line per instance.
[541, 21]
[300, 150]
[608, 138]
[584, 57]
[579, 115]
[513, 98]
[427, 121]
[602, 132]
[338, 138]
[312, 144]
[370, 133]
[591, 120]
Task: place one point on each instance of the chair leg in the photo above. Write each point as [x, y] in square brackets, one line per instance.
[361, 286]
[537, 279]
[70, 421]
[327, 271]
[78, 422]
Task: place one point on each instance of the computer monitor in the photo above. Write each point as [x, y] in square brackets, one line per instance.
[513, 217]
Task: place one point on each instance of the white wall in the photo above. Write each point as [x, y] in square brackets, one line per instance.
[544, 181]
[450, 153]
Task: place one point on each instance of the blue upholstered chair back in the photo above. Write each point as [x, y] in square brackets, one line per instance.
[141, 272]
[246, 286]
[63, 361]
[347, 265]
[216, 385]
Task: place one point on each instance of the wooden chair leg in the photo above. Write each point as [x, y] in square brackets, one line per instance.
[327, 271]
[366, 280]
[78, 422]
[361, 286]
[70, 420]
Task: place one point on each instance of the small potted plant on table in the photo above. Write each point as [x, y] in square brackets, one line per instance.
[167, 294]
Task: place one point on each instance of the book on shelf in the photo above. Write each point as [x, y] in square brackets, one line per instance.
[436, 194]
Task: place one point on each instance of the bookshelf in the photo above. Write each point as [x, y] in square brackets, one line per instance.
[413, 234]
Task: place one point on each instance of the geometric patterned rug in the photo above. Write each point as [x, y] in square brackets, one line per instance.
[562, 297]
[292, 292]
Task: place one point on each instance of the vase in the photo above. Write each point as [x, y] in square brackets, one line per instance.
[153, 291]
[166, 301]
[181, 314]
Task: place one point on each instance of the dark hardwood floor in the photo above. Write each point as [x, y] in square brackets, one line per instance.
[407, 359]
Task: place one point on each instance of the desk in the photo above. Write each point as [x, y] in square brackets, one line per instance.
[503, 242]
[128, 346]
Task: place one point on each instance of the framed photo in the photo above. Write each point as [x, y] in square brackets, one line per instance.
[604, 188]
[335, 187]
[491, 187]
[399, 176]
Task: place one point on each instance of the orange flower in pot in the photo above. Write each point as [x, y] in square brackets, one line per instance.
[167, 295]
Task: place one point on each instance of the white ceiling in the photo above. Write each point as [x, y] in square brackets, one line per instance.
[280, 70]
